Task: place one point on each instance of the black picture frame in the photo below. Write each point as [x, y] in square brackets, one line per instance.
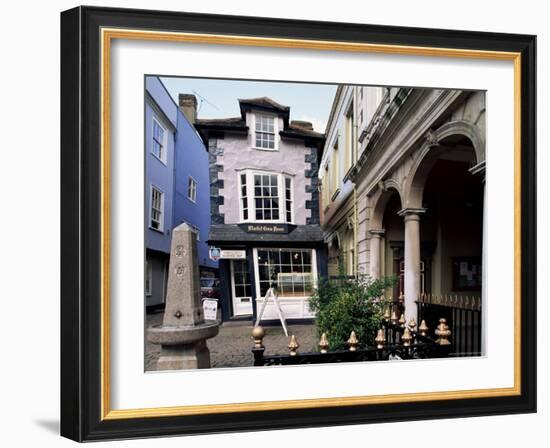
[81, 380]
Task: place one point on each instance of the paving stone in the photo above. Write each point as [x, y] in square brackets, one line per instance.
[232, 347]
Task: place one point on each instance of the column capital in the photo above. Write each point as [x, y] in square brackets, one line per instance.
[377, 232]
[410, 212]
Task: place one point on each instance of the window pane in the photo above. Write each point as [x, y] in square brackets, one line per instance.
[285, 257]
[291, 280]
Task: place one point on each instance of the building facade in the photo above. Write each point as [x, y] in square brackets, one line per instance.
[176, 186]
[403, 180]
[265, 209]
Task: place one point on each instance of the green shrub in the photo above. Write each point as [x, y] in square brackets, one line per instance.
[349, 304]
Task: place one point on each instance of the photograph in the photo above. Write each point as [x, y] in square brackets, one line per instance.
[287, 223]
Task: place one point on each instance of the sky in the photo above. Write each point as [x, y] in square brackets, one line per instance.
[218, 98]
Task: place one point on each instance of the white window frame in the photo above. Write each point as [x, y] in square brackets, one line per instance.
[241, 196]
[161, 222]
[281, 194]
[164, 146]
[335, 167]
[192, 182]
[275, 119]
[285, 177]
[314, 283]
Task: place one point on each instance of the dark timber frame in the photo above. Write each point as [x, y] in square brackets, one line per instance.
[81, 390]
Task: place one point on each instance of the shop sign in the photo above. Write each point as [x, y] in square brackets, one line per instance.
[214, 253]
[210, 308]
[233, 254]
[264, 228]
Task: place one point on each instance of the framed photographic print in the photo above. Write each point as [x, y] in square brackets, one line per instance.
[256, 210]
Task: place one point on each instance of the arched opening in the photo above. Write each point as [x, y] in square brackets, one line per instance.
[448, 188]
[453, 199]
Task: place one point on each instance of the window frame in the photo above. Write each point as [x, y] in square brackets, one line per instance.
[192, 181]
[161, 222]
[335, 177]
[314, 270]
[275, 119]
[162, 157]
[251, 199]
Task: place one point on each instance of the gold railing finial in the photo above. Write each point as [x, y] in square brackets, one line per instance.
[402, 320]
[258, 334]
[406, 338]
[442, 332]
[323, 343]
[387, 313]
[293, 346]
[380, 339]
[423, 329]
[353, 342]
[393, 317]
[412, 324]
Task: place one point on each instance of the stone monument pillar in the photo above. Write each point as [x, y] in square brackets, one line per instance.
[184, 331]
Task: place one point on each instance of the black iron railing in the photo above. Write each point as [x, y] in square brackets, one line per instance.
[463, 314]
[394, 341]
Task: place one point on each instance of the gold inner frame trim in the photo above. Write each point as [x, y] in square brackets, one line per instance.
[107, 35]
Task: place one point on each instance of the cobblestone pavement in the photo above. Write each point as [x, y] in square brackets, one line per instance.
[233, 344]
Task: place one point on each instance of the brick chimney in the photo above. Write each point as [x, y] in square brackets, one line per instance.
[188, 105]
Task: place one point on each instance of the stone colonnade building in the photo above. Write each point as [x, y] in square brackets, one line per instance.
[403, 178]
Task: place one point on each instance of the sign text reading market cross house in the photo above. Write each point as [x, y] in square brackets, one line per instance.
[266, 228]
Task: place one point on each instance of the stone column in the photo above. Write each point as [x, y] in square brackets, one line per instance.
[412, 259]
[375, 243]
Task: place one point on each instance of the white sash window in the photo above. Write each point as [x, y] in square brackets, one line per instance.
[266, 197]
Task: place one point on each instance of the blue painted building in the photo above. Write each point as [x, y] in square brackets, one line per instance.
[177, 187]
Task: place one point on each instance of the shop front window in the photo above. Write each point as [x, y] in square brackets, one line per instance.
[289, 271]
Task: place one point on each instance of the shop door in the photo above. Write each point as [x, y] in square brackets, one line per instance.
[241, 288]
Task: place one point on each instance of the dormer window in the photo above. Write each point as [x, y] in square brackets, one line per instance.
[264, 132]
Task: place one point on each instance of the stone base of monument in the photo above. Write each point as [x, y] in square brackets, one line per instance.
[183, 347]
